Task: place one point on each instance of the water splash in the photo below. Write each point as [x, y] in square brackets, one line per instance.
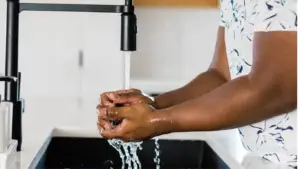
[134, 147]
[129, 157]
[117, 144]
[157, 153]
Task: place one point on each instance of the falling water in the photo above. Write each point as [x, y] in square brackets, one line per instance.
[127, 60]
[127, 151]
[157, 152]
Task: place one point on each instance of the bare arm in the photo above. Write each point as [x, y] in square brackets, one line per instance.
[269, 90]
[215, 76]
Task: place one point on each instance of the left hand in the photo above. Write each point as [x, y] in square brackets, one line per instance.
[136, 122]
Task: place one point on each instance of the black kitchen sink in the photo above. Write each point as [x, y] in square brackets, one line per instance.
[92, 153]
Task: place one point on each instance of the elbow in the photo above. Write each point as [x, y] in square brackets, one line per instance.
[278, 95]
[289, 99]
[222, 76]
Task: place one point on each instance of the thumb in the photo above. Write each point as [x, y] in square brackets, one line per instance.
[110, 134]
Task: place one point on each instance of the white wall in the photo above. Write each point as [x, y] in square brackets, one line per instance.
[174, 44]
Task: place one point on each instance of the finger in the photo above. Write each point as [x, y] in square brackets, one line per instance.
[127, 91]
[105, 99]
[100, 129]
[117, 113]
[128, 98]
[108, 98]
[101, 110]
[104, 124]
[116, 95]
[110, 134]
[107, 114]
[99, 107]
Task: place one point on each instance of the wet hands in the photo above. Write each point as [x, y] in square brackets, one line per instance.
[135, 125]
[125, 98]
[134, 115]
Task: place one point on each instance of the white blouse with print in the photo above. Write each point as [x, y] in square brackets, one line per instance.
[273, 139]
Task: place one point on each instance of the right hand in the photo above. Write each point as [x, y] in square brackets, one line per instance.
[120, 97]
[125, 98]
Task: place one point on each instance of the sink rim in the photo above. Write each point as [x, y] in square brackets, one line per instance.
[93, 133]
[80, 132]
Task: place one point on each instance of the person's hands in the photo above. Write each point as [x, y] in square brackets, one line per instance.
[136, 122]
[124, 98]
[131, 102]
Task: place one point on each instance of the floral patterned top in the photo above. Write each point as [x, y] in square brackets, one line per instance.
[273, 139]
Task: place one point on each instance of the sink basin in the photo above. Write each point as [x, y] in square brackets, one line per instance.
[92, 153]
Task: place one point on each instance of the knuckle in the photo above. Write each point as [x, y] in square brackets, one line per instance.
[111, 112]
[107, 112]
[116, 113]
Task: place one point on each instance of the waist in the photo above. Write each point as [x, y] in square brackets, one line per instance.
[274, 138]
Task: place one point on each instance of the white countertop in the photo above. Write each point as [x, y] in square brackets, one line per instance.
[40, 121]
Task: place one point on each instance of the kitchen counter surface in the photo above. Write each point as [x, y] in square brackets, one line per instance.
[39, 125]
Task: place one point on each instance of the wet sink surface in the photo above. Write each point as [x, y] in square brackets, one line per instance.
[92, 153]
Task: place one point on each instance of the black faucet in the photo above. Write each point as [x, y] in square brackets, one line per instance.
[12, 76]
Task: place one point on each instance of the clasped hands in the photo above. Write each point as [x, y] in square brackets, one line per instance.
[132, 109]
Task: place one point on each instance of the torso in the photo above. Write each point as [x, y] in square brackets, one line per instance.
[273, 139]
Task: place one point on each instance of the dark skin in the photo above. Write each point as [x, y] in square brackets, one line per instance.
[270, 89]
[216, 75]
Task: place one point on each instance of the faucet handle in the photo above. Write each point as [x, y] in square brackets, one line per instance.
[16, 80]
[22, 105]
[8, 79]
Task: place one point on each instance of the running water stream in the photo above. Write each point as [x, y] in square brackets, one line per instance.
[128, 150]
[157, 152]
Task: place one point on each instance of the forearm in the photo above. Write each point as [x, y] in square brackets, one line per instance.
[235, 104]
[202, 84]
